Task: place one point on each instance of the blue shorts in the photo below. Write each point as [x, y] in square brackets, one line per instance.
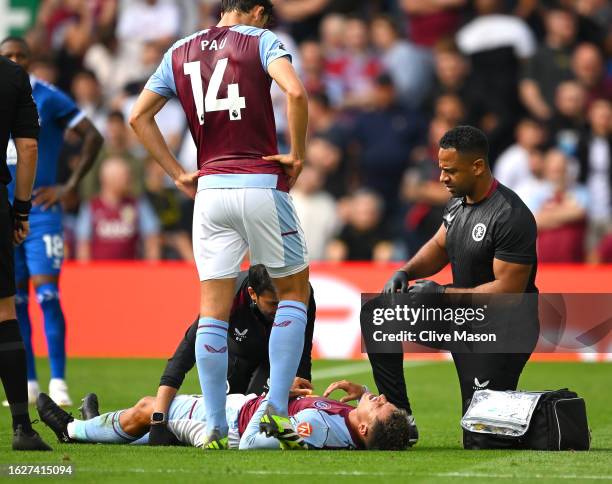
[42, 253]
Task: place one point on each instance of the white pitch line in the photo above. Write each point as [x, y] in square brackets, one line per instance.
[459, 475]
[357, 368]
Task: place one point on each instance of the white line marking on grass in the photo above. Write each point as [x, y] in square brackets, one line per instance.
[459, 475]
[432, 474]
[357, 368]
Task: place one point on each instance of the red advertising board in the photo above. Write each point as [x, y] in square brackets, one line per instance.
[142, 309]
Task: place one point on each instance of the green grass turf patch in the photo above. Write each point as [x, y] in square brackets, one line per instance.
[438, 457]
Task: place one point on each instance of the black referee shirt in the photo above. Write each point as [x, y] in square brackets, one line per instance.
[18, 114]
[498, 227]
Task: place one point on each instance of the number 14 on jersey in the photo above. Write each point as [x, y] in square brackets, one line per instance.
[233, 103]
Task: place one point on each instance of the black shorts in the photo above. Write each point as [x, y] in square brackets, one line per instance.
[7, 263]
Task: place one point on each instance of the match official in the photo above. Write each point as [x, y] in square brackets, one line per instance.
[19, 121]
[489, 237]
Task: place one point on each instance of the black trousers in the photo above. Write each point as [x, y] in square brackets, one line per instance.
[490, 371]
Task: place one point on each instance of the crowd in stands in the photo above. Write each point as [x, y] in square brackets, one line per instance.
[386, 78]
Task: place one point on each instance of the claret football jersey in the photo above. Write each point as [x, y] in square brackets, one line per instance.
[220, 76]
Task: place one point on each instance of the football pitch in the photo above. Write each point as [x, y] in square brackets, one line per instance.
[437, 457]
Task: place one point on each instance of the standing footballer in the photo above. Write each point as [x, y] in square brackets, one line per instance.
[489, 237]
[222, 77]
[39, 259]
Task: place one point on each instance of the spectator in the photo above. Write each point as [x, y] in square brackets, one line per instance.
[432, 20]
[168, 203]
[383, 139]
[313, 67]
[588, 68]
[141, 22]
[316, 210]
[595, 157]
[118, 144]
[352, 74]
[497, 44]
[451, 77]
[550, 65]
[422, 190]
[568, 122]
[450, 107]
[364, 236]
[512, 167]
[412, 84]
[114, 224]
[559, 206]
[70, 26]
[327, 158]
[88, 95]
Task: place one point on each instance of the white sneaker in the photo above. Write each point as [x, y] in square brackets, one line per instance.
[58, 391]
[33, 392]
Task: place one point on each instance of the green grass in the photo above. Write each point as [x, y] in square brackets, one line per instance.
[437, 457]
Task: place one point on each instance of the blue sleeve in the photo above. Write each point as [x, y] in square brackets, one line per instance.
[311, 427]
[65, 110]
[270, 49]
[162, 80]
[252, 438]
[83, 224]
[148, 221]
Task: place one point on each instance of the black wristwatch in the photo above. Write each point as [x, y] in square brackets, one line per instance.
[158, 418]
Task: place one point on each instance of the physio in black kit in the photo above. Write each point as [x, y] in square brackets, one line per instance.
[489, 237]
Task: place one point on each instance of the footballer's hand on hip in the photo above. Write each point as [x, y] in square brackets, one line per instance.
[291, 164]
[354, 391]
[398, 283]
[188, 183]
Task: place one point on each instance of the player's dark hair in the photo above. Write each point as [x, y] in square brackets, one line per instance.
[18, 40]
[247, 6]
[466, 140]
[393, 433]
[260, 280]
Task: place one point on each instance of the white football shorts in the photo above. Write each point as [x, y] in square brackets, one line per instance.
[229, 221]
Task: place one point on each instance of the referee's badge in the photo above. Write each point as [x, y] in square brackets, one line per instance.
[478, 232]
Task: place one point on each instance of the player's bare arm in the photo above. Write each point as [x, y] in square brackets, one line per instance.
[510, 278]
[92, 143]
[27, 154]
[285, 76]
[142, 121]
[354, 391]
[429, 260]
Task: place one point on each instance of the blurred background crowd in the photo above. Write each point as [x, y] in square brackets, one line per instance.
[386, 79]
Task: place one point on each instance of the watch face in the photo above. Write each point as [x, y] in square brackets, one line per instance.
[158, 417]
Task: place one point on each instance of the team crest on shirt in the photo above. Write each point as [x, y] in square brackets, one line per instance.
[478, 232]
[240, 335]
[304, 429]
[322, 405]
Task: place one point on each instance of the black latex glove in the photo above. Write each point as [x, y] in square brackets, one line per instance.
[427, 287]
[398, 283]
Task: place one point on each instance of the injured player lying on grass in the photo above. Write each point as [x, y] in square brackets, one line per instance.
[313, 423]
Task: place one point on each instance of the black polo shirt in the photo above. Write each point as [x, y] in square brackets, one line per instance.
[18, 114]
[498, 227]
